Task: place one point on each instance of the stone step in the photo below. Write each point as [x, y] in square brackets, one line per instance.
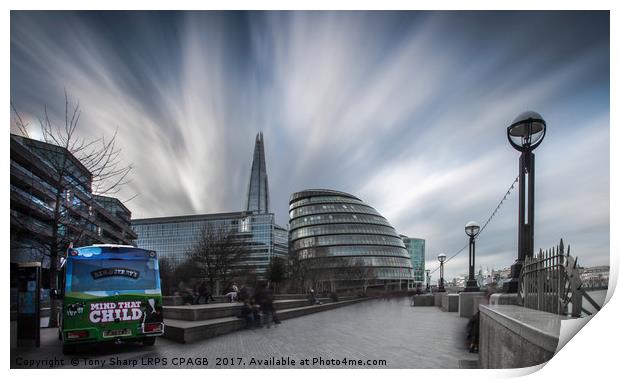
[192, 331]
[178, 300]
[219, 310]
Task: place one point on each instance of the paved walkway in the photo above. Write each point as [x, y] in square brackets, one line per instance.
[388, 330]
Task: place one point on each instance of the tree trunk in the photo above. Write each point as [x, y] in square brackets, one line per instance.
[55, 305]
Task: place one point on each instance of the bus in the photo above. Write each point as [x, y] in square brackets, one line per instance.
[112, 293]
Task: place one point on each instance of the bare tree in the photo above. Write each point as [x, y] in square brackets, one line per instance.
[276, 273]
[297, 273]
[217, 254]
[360, 272]
[68, 156]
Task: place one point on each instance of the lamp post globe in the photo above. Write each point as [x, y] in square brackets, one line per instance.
[525, 133]
[441, 258]
[472, 229]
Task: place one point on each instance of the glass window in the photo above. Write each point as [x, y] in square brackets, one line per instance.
[113, 274]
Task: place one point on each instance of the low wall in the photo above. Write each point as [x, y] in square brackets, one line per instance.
[512, 336]
[468, 303]
[450, 302]
[437, 298]
[504, 299]
[424, 300]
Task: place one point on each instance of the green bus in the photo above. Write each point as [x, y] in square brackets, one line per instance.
[112, 293]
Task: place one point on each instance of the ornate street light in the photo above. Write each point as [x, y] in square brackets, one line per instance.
[441, 258]
[525, 134]
[428, 280]
[472, 229]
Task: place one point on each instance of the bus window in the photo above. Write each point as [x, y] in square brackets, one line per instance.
[112, 275]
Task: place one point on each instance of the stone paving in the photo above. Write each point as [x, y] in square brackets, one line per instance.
[389, 330]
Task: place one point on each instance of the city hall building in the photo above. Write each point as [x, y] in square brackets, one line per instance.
[344, 243]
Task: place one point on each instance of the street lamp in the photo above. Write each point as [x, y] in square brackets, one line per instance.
[525, 134]
[441, 258]
[428, 280]
[472, 229]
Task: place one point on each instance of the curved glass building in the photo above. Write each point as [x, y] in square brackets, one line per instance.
[342, 242]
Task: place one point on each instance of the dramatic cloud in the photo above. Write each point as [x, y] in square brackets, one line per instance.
[407, 110]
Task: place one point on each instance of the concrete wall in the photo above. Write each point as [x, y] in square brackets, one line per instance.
[504, 299]
[512, 336]
[424, 300]
[468, 303]
[437, 298]
[450, 302]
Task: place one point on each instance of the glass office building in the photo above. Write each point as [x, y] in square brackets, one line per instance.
[415, 247]
[173, 237]
[342, 242]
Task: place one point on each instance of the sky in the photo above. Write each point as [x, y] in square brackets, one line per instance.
[406, 110]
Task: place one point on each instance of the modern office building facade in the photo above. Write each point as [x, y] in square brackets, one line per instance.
[342, 242]
[254, 229]
[81, 218]
[173, 237]
[416, 249]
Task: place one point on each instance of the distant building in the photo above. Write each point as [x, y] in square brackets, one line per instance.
[343, 243]
[86, 218]
[255, 228]
[595, 277]
[416, 249]
[459, 281]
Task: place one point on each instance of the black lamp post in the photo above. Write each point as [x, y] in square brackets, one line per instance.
[472, 229]
[525, 134]
[441, 258]
[428, 280]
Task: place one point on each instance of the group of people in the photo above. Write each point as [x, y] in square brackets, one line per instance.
[193, 294]
[258, 310]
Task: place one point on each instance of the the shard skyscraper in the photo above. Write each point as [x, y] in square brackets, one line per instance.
[258, 188]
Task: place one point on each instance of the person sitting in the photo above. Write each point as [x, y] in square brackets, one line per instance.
[312, 298]
[231, 293]
[231, 296]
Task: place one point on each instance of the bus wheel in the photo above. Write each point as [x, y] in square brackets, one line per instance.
[68, 349]
[149, 341]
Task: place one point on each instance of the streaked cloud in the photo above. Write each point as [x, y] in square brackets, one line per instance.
[407, 110]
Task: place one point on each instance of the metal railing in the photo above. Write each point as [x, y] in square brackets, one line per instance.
[550, 282]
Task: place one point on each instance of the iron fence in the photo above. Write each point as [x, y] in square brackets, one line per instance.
[550, 282]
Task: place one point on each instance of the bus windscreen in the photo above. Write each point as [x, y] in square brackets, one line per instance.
[113, 275]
